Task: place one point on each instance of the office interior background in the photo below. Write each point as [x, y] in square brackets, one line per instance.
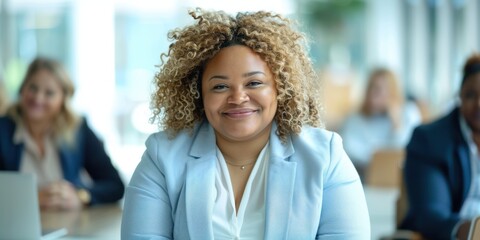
[112, 49]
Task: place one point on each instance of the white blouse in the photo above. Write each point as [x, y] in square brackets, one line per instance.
[471, 206]
[46, 168]
[249, 222]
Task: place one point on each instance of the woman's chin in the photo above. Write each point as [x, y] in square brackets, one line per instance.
[36, 118]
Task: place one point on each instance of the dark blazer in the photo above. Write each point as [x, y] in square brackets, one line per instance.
[87, 153]
[437, 175]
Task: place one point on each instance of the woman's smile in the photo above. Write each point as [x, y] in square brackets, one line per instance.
[239, 113]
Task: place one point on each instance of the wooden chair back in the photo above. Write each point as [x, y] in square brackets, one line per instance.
[385, 169]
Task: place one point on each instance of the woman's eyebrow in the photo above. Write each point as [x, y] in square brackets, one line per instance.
[245, 75]
[249, 74]
[219, 77]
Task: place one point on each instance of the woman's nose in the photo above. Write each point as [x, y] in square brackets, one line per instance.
[33, 94]
[238, 96]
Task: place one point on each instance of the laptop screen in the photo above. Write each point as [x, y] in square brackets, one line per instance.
[19, 211]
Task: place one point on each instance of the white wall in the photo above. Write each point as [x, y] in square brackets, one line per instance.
[94, 64]
[385, 41]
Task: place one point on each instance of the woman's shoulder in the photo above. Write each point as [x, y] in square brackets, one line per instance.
[164, 146]
[320, 150]
[166, 139]
[7, 131]
[318, 140]
[316, 133]
[5, 119]
[7, 123]
[354, 119]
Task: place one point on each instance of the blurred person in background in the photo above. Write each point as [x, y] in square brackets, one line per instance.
[3, 98]
[41, 135]
[243, 154]
[385, 120]
[442, 168]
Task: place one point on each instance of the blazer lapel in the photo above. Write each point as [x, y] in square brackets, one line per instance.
[67, 164]
[200, 184]
[462, 151]
[12, 147]
[12, 157]
[280, 186]
[464, 159]
[199, 194]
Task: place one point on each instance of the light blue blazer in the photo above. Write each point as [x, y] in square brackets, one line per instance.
[313, 190]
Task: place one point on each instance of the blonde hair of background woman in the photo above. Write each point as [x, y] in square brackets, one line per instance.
[177, 102]
[396, 98]
[65, 124]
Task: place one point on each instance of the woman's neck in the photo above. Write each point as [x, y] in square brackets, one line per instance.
[243, 151]
[38, 130]
[476, 138]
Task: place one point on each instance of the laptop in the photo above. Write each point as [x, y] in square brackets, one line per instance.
[19, 210]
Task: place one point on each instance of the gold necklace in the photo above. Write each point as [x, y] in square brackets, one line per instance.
[242, 166]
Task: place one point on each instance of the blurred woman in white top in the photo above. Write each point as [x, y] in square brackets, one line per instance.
[384, 121]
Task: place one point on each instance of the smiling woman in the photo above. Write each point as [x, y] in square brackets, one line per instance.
[242, 155]
[42, 136]
[241, 102]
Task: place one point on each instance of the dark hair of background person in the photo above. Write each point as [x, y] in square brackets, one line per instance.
[472, 66]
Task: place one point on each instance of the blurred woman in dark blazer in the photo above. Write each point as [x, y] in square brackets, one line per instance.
[442, 170]
[41, 135]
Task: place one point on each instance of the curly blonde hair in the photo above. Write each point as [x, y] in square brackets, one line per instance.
[177, 102]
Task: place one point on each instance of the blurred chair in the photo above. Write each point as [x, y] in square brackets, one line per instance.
[385, 168]
[401, 211]
[474, 229]
[403, 235]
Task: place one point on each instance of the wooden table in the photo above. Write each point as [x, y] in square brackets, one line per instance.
[103, 222]
[98, 222]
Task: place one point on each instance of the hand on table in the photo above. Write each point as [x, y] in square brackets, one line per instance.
[463, 230]
[60, 195]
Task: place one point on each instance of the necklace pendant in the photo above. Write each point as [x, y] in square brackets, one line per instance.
[242, 167]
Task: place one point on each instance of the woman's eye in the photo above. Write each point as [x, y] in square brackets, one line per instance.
[50, 93]
[219, 87]
[33, 88]
[470, 95]
[254, 84]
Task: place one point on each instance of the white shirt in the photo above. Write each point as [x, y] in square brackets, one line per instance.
[46, 168]
[249, 222]
[364, 135]
[471, 206]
